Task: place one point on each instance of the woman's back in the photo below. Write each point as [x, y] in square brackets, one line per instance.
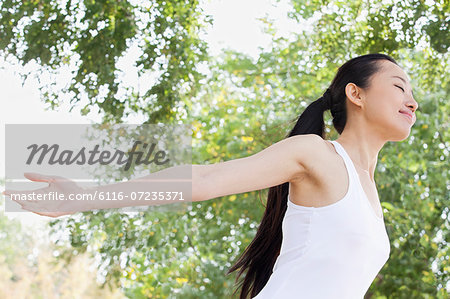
[332, 250]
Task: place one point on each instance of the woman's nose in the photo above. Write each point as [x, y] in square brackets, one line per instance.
[413, 104]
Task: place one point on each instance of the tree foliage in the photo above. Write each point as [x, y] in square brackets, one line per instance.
[90, 37]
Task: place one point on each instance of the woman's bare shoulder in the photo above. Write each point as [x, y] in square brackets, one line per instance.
[315, 154]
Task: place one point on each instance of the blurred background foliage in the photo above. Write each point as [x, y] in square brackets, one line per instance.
[237, 106]
[31, 267]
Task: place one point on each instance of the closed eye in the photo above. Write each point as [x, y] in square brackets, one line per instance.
[400, 88]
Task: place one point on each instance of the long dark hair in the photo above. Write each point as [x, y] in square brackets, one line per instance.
[259, 257]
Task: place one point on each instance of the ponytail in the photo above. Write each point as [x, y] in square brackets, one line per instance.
[260, 256]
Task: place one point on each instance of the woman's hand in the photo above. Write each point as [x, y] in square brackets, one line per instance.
[50, 207]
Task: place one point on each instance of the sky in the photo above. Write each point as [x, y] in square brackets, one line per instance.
[235, 26]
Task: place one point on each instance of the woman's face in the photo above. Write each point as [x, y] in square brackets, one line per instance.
[388, 102]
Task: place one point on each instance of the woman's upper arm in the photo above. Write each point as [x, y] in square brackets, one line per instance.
[279, 163]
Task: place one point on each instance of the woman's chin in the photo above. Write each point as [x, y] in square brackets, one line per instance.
[401, 135]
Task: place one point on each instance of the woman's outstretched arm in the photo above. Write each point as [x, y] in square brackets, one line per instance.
[281, 162]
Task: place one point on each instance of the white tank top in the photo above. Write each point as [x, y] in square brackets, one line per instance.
[333, 251]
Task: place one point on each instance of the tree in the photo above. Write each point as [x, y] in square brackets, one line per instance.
[90, 37]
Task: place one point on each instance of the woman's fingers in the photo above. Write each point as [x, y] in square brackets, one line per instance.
[8, 193]
[24, 204]
[18, 194]
[37, 177]
[22, 198]
[39, 201]
[37, 207]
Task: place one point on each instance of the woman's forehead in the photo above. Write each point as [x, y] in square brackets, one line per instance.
[392, 70]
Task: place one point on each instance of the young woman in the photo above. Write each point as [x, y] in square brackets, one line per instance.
[322, 234]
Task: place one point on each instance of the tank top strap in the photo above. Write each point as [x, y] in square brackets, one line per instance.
[351, 170]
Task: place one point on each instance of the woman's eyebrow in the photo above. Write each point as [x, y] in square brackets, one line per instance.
[399, 78]
[404, 81]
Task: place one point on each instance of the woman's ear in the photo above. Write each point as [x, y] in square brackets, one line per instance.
[354, 94]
